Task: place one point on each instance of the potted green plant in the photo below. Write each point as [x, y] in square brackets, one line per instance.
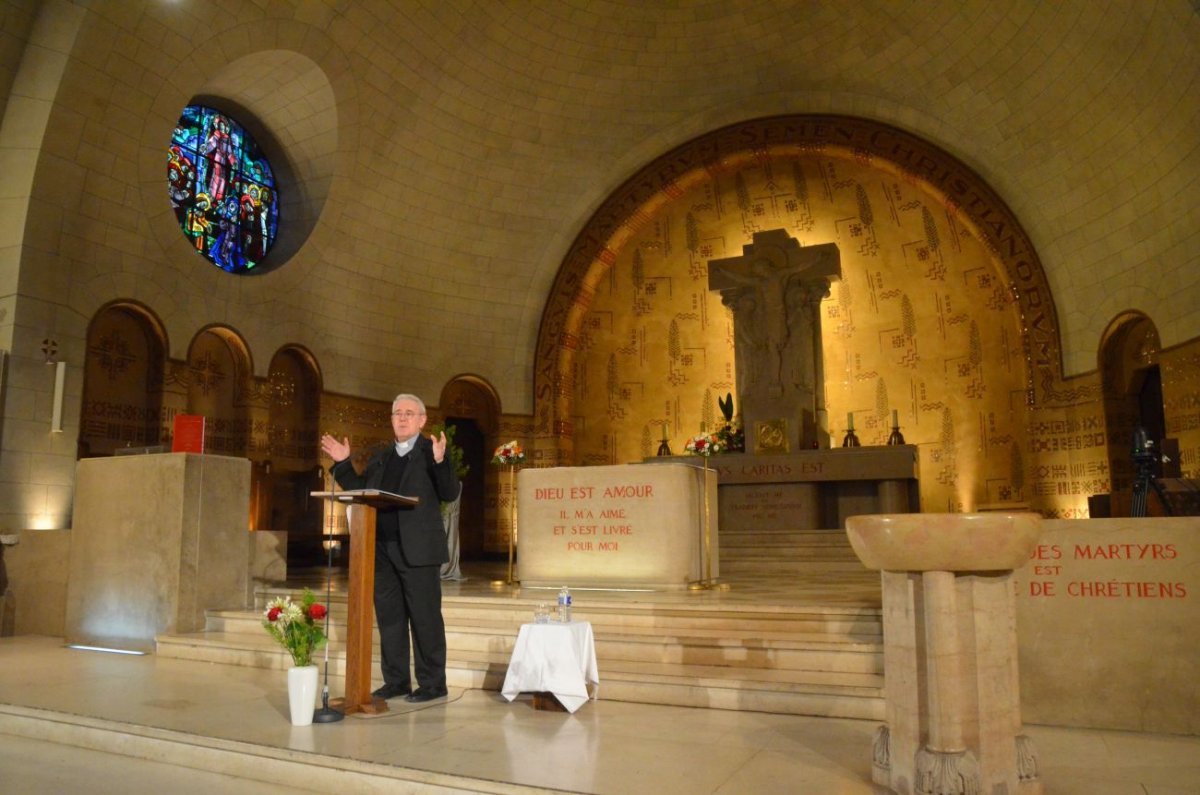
[450, 510]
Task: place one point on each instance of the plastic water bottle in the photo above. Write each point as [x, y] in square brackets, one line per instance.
[564, 605]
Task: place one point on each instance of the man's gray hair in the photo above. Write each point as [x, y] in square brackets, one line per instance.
[406, 396]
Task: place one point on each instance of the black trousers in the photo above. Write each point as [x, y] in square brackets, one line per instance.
[409, 598]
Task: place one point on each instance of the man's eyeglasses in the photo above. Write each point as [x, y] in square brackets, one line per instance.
[406, 415]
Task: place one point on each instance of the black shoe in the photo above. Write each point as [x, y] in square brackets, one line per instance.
[422, 695]
[391, 691]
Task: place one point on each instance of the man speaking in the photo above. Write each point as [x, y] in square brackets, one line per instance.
[410, 548]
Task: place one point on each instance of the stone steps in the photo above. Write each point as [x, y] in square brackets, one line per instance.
[777, 648]
[810, 660]
[775, 566]
[239, 762]
[632, 617]
[795, 553]
[788, 539]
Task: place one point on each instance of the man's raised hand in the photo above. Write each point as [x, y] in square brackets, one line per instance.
[338, 451]
[439, 446]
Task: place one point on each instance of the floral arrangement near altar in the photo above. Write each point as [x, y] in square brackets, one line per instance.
[731, 436]
[295, 625]
[508, 453]
[704, 444]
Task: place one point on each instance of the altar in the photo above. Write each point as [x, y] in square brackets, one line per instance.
[812, 489]
[156, 540]
[815, 489]
[618, 526]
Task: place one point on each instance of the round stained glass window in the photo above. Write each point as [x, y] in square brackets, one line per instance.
[222, 189]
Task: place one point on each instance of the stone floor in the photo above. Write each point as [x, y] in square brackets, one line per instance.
[86, 721]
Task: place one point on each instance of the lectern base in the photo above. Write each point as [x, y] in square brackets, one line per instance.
[368, 709]
[327, 715]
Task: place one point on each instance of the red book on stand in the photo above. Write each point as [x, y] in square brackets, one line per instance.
[188, 434]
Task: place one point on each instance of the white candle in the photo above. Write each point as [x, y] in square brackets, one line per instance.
[895, 419]
[850, 421]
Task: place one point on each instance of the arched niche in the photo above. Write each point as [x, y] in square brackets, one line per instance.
[294, 394]
[283, 481]
[943, 313]
[471, 405]
[122, 402]
[1131, 382]
[218, 383]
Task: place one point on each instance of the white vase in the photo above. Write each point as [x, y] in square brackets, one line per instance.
[302, 694]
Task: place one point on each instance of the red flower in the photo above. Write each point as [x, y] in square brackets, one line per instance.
[273, 613]
[316, 612]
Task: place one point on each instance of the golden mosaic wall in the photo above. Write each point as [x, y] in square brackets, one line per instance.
[944, 314]
[921, 322]
[1181, 402]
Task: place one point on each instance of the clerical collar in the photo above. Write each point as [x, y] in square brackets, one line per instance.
[402, 448]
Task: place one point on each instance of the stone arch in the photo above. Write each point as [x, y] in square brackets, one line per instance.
[283, 480]
[122, 402]
[293, 389]
[469, 395]
[897, 156]
[218, 384]
[471, 405]
[1131, 383]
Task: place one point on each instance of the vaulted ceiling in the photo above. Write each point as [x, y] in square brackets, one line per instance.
[446, 153]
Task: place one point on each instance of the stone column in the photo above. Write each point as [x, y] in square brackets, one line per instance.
[950, 651]
[6, 623]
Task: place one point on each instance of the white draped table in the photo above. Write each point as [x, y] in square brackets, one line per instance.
[554, 658]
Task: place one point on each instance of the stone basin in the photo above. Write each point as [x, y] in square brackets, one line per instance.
[944, 541]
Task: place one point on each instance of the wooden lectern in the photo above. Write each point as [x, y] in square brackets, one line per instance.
[360, 607]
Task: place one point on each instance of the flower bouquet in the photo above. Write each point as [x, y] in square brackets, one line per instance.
[509, 453]
[704, 444]
[731, 437]
[295, 625]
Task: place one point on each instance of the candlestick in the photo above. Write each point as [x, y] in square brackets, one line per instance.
[850, 421]
[896, 437]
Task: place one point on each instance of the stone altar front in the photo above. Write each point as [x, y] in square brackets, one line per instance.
[625, 525]
[1107, 611]
[155, 541]
[812, 489]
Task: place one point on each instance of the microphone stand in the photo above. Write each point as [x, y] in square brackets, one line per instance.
[327, 714]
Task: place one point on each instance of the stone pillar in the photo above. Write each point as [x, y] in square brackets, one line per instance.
[775, 291]
[950, 651]
[6, 622]
[156, 540]
[893, 496]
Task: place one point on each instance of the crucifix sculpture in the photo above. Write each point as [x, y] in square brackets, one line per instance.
[775, 290]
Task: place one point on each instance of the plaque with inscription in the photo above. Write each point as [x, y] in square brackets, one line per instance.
[622, 525]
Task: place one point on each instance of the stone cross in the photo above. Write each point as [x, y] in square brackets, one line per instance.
[775, 290]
